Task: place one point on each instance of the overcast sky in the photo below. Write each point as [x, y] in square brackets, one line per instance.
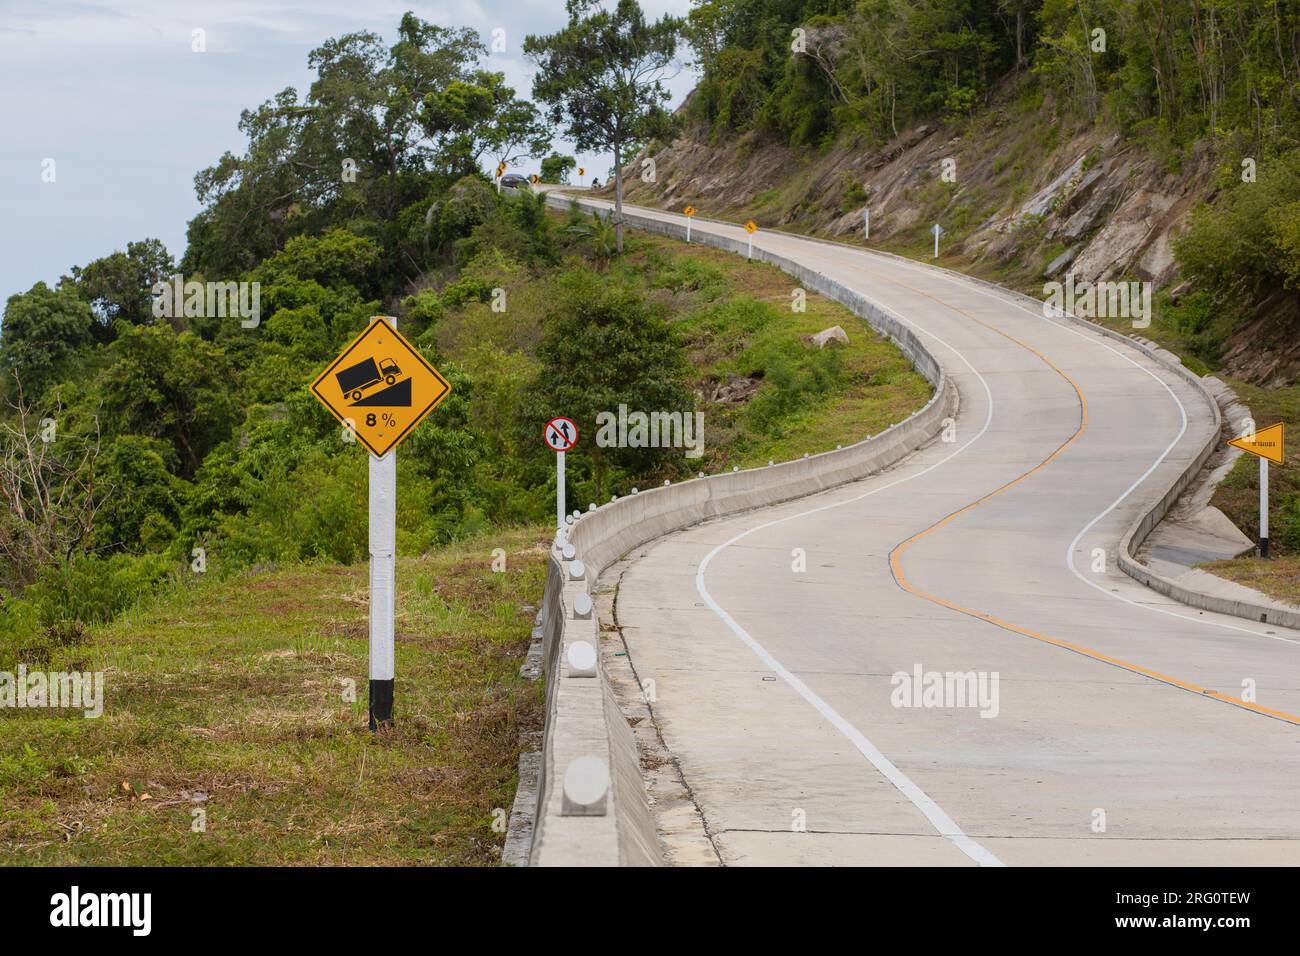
[112, 92]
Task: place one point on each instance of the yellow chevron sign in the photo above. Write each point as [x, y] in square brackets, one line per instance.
[1267, 443]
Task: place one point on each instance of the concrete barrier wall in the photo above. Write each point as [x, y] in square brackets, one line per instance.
[582, 717]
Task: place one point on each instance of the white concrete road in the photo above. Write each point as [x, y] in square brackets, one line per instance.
[773, 687]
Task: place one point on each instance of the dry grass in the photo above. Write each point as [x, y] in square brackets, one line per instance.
[227, 696]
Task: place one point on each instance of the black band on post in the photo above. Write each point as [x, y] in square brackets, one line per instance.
[381, 703]
[1263, 547]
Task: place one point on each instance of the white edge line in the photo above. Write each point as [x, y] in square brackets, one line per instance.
[939, 819]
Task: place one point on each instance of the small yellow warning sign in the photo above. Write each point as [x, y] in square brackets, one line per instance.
[1268, 443]
[380, 388]
[751, 227]
[689, 210]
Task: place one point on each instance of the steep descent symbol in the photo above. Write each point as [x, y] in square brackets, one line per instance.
[380, 388]
[355, 380]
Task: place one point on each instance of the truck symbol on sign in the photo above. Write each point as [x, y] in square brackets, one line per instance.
[354, 380]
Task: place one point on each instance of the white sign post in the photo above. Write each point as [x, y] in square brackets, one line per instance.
[1263, 507]
[383, 582]
[937, 231]
[1270, 445]
[866, 223]
[561, 434]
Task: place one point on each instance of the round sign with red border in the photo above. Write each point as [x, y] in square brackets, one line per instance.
[561, 434]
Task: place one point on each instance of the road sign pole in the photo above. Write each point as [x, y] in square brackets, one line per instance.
[750, 254]
[1263, 507]
[936, 241]
[688, 228]
[559, 489]
[866, 223]
[383, 583]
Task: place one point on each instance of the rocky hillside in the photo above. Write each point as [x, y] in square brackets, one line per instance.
[1021, 198]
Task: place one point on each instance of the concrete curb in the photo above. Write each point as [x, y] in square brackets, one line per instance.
[583, 719]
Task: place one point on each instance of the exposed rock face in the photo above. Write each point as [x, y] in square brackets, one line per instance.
[735, 391]
[1092, 190]
[1086, 203]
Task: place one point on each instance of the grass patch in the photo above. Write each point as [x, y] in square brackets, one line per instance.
[1277, 577]
[738, 323]
[233, 690]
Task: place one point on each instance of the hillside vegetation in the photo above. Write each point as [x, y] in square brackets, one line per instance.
[146, 445]
[1150, 140]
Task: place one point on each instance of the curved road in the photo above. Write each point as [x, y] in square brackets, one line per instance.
[776, 690]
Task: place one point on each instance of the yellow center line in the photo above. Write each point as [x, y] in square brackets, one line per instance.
[896, 565]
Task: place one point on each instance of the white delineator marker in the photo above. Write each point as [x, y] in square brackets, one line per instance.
[560, 435]
[1263, 507]
[937, 231]
[383, 582]
[866, 223]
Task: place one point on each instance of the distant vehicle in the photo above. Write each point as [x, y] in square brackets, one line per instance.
[514, 181]
[354, 380]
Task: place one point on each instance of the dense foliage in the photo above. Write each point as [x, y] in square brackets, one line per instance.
[803, 70]
[139, 441]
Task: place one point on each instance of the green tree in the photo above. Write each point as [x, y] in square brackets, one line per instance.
[364, 143]
[601, 348]
[42, 330]
[601, 76]
[120, 285]
[168, 385]
[139, 496]
[555, 168]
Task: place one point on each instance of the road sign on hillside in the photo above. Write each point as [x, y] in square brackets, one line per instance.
[1270, 445]
[1267, 443]
[751, 227]
[380, 387]
[561, 434]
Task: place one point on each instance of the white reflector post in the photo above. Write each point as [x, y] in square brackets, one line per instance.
[1263, 507]
[383, 583]
[586, 783]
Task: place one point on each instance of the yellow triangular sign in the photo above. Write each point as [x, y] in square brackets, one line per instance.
[1268, 443]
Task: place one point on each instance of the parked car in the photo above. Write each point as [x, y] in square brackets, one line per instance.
[514, 181]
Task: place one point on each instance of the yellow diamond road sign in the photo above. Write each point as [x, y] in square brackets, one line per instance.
[751, 227]
[1267, 443]
[380, 388]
